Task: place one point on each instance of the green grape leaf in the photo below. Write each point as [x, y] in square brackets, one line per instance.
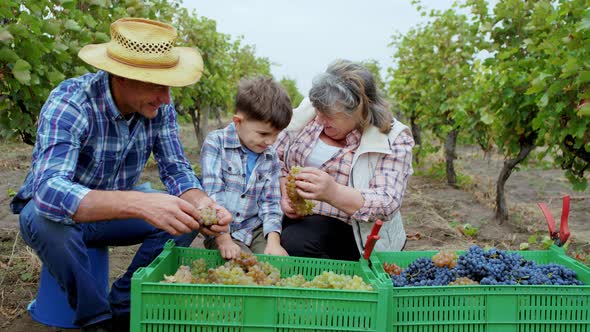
[546, 242]
[8, 55]
[584, 109]
[101, 37]
[487, 118]
[100, 3]
[22, 71]
[55, 77]
[583, 77]
[532, 239]
[51, 27]
[544, 100]
[72, 25]
[584, 24]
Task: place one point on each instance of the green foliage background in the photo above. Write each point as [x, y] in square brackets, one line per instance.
[40, 40]
[514, 76]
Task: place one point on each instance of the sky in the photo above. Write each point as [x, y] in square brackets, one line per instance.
[301, 37]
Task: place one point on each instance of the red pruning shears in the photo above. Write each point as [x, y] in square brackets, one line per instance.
[372, 239]
[561, 234]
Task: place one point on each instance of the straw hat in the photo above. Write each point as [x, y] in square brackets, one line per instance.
[144, 50]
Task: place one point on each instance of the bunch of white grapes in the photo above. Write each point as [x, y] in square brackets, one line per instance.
[302, 206]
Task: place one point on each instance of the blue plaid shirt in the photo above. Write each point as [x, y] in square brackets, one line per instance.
[252, 201]
[84, 143]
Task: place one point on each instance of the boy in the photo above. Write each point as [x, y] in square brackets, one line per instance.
[240, 169]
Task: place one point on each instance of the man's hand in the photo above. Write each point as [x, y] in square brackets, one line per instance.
[200, 200]
[175, 215]
[167, 212]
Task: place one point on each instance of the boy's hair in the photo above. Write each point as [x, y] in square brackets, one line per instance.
[262, 99]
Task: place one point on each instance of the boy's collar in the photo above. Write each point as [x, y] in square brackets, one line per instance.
[230, 137]
[231, 140]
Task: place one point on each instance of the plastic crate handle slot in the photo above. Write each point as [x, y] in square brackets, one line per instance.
[372, 239]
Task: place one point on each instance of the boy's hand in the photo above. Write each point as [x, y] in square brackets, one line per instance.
[227, 248]
[287, 208]
[286, 202]
[273, 245]
[275, 249]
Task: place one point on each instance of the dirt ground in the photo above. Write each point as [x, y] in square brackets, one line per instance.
[436, 216]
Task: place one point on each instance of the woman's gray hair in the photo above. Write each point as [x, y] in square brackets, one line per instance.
[351, 85]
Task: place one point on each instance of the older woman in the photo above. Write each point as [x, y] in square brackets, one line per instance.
[357, 161]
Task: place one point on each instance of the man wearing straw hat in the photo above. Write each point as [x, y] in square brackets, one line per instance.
[95, 135]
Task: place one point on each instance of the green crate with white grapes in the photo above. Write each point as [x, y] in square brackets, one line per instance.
[163, 300]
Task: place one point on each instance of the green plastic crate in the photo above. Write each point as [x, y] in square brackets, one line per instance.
[163, 307]
[481, 308]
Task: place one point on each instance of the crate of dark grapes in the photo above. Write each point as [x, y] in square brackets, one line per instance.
[190, 289]
[485, 290]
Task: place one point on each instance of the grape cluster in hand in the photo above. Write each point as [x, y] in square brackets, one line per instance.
[208, 216]
[492, 267]
[301, 206]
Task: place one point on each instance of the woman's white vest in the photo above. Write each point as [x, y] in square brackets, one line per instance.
[373, 144]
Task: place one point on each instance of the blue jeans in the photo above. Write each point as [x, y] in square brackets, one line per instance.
[63, 250]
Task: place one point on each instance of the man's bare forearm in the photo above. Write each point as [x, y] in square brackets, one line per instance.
[193, 196]
[107, 205]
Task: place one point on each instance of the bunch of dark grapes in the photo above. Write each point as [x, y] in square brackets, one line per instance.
[498, 267]
[488, 268]
[558, 274]
[492, 267]
[301, 206]
[423, 272]
[207, 216]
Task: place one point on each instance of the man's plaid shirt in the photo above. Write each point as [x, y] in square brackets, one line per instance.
[84, 143]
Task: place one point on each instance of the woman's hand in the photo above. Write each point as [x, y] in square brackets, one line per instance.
[315, 184]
